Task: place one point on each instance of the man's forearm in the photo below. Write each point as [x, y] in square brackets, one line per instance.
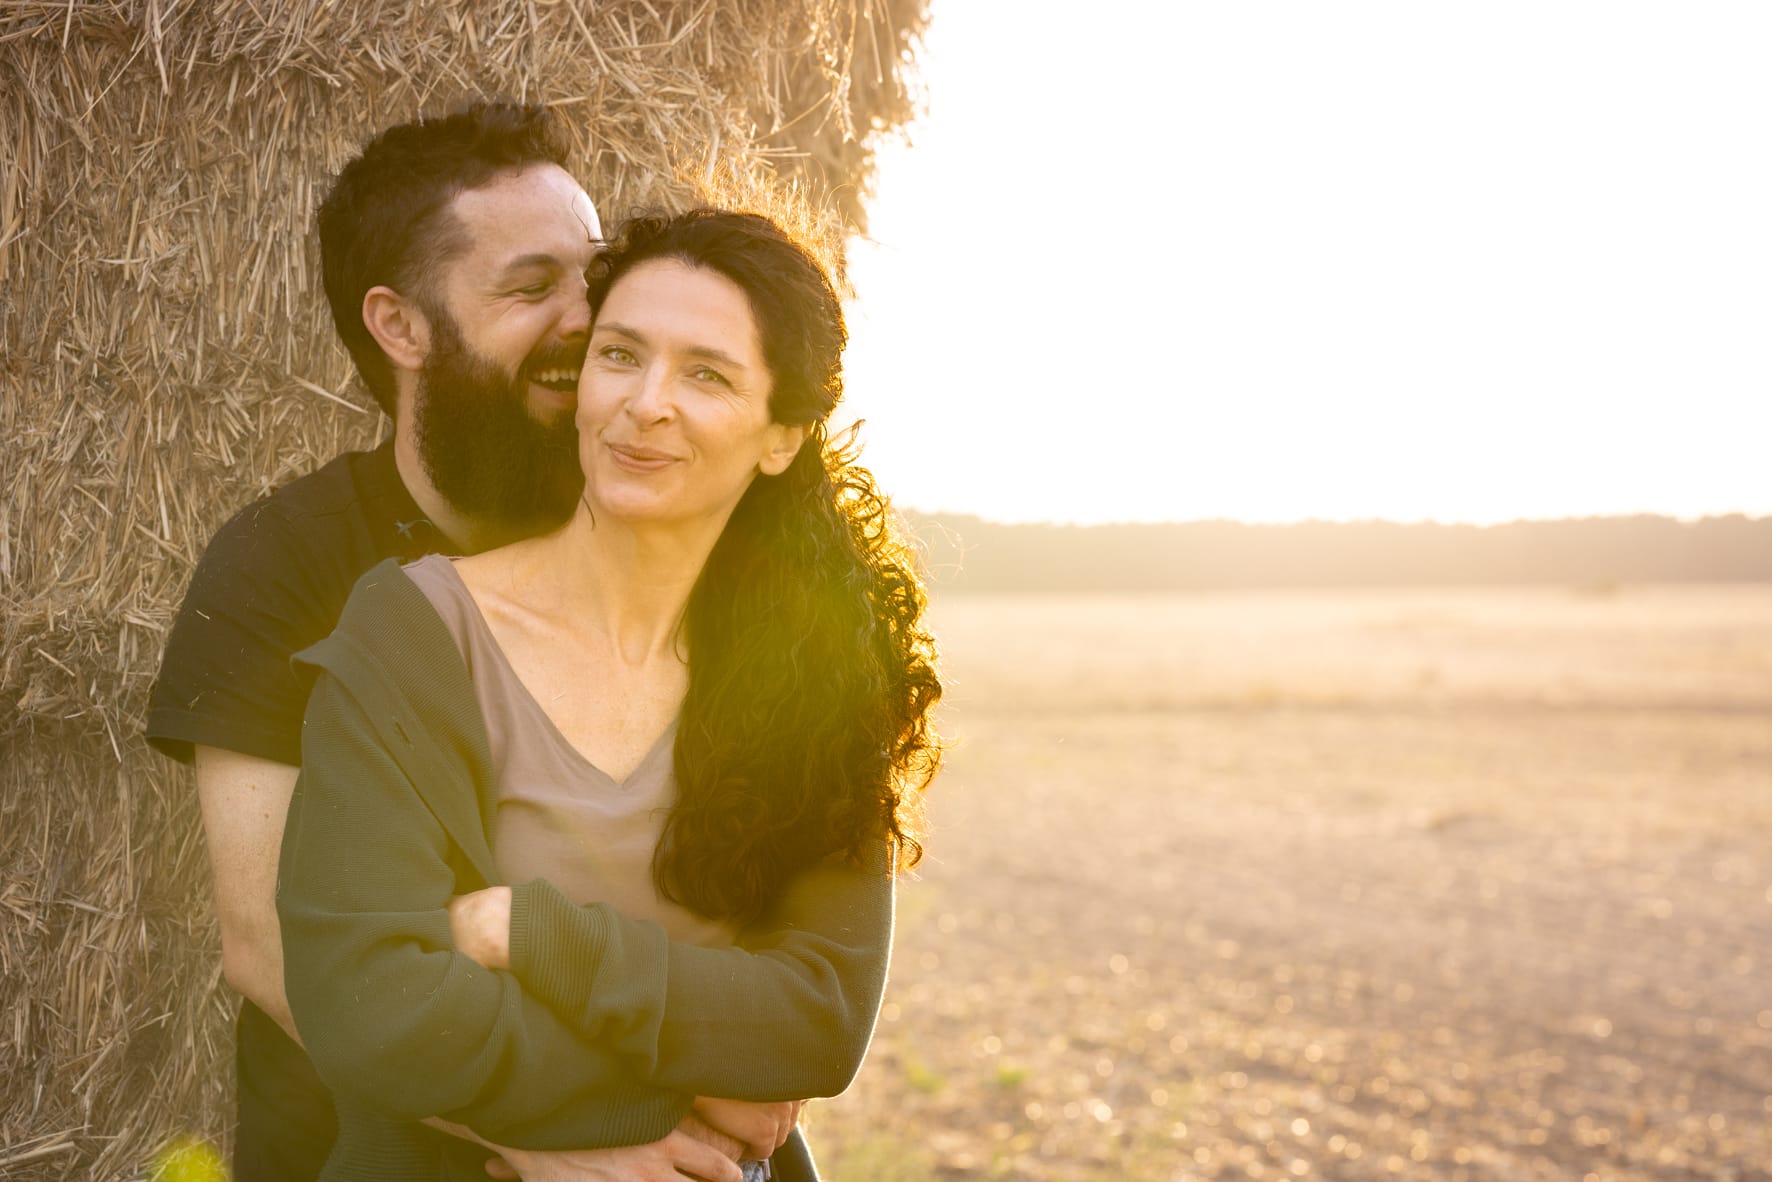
[245, 800]
[256, 973]
[590, 1164]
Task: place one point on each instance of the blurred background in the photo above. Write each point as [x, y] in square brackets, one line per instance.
[1388, 794]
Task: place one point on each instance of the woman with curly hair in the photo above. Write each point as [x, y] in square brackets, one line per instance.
[691, 725]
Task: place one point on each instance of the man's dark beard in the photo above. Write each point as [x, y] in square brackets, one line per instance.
[484, 452]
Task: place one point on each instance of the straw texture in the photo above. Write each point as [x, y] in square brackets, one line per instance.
[165, 355]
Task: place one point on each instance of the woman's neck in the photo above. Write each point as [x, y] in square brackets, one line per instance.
[630, 584]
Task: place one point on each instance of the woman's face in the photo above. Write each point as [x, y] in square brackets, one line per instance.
[673, 403]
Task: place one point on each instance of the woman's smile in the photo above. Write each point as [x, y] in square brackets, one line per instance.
[635, 458]
[673, 406]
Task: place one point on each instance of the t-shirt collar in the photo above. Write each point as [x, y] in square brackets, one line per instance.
[402, 529]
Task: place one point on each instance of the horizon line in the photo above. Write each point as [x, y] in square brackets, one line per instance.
[1290, 523]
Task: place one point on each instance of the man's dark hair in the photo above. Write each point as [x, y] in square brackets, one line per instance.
[387, 222]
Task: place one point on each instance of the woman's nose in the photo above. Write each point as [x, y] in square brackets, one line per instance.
[651, 402]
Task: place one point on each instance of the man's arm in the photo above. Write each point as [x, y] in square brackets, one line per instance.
[680, 1155]
[683, 1149]
[245, 800]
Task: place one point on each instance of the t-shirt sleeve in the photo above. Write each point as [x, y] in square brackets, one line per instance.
[226, 680]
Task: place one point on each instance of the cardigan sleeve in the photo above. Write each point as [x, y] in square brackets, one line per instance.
[785, 1014]
[392, 1016]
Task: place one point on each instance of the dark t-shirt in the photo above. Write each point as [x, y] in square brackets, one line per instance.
[273, 581]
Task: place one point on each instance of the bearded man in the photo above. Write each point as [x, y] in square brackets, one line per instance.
[454, 252]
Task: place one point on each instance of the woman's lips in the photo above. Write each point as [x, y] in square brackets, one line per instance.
[639, 459]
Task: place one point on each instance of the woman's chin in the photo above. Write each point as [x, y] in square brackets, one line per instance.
[633, 507]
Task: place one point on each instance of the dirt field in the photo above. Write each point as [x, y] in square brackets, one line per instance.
[1440, 885]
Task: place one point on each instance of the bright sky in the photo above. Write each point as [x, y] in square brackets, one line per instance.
[1287, 260]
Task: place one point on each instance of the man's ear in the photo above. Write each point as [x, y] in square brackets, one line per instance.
[784, 445]
[398, 325]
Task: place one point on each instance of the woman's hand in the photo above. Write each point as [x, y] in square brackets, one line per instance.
[480, 923]
[680, 1155]
[761, 1127]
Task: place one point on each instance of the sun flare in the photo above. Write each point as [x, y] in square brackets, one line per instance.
[1314, 263]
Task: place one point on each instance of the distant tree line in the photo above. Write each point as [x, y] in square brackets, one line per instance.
[971, 554]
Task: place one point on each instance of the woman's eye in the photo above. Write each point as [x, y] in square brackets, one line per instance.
[535, 289]
[704, 374]
[616, 354]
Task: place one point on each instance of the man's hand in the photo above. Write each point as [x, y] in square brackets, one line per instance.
[731, 1147]
[480, 923]
[760, 1128]
[679, 1156]
[245, 801]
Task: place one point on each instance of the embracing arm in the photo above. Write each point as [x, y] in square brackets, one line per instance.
[244, 800]
[785, 1014]
[369, 867]
[389, 1011]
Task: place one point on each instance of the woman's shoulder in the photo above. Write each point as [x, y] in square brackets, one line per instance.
[388, 623]
[385, 596]
[393, 656]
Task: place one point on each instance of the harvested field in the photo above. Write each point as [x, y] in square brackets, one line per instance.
[1469, 885]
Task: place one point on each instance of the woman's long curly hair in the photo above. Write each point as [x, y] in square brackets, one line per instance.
[805, 734]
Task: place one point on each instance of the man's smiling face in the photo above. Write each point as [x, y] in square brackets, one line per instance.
[509, 326]
[516, 291]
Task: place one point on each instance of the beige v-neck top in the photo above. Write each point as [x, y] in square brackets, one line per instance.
[559, 816]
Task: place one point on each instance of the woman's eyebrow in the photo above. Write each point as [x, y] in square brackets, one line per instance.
[725, 359]
[622, 329]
